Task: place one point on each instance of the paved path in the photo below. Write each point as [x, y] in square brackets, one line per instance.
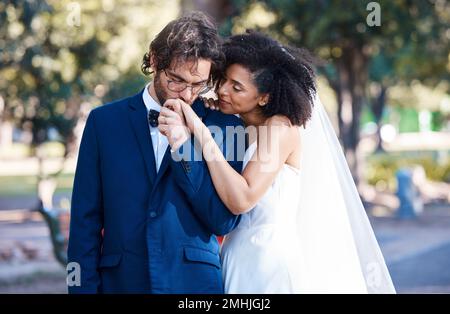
[25, 202]
[417, 253]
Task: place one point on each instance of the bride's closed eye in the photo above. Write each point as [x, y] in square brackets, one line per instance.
[236, 89]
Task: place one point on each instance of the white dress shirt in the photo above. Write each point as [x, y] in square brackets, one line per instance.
[159, 141]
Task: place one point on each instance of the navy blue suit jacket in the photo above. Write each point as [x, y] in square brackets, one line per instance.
[159, 228]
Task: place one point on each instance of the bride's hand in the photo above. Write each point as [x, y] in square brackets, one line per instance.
[211, 103]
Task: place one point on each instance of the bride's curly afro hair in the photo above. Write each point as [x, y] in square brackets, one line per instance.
[284, 72]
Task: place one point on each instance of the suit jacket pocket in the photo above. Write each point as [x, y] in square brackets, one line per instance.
[110, 260]
[199, 255]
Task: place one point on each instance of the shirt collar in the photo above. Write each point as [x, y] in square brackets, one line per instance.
[149, 102]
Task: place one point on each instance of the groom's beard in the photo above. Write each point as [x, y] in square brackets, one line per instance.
[159, 89]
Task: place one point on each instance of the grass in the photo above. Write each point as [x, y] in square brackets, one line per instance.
[382, 168]
[26, 185]
[20, 150]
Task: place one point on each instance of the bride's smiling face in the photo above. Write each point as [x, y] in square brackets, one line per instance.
[237, 91]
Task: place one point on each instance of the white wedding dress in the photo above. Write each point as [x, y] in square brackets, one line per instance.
[309, 233]
[259, 256]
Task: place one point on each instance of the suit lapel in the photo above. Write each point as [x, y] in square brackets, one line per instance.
[139, 123]
[163, 167]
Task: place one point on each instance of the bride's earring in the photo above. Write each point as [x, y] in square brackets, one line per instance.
[263, 100]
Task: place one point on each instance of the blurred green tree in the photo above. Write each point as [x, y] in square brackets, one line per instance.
[411, 42]
[59, 58]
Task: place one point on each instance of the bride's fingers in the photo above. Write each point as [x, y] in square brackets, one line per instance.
[216, 102]
[205, 102]
[209, 103]
[213, 104]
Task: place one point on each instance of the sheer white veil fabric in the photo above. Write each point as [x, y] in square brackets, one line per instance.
[338, 249]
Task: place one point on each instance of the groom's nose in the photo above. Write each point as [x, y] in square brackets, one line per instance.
[186, 96]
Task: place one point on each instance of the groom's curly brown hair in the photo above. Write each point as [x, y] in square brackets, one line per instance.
[190, 37]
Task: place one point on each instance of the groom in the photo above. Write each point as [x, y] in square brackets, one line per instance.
[141, 221]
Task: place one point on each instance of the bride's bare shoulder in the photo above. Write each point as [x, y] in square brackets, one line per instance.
[283, 125]
[290, 140]
[278, 120]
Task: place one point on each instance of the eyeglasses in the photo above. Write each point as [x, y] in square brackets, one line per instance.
[178, 86]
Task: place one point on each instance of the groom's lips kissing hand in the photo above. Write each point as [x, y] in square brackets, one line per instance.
[169, 104]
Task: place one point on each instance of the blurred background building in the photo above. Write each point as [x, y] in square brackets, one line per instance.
[383, 77]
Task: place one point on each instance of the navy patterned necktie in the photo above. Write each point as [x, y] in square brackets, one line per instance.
[153, 118]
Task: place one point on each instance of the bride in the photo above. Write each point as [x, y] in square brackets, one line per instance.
[303, 227]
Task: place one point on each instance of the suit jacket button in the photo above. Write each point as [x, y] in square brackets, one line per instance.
[152, 214]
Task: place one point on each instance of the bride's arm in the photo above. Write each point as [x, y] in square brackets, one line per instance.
[239, 192]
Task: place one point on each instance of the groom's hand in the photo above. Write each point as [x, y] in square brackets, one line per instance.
[171, 124]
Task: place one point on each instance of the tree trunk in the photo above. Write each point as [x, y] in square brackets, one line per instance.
[6, 133]
[6, 126]
[219, 10]
[378, 105]
[350, 90]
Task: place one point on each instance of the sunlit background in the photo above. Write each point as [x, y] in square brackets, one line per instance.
[384, 80]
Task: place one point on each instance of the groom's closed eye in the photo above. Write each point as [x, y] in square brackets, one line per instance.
[176, 78]
[179, 79]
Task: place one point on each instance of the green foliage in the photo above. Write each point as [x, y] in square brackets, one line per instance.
[363, 63]
[26, 185]
[126, 85]
[54, 55]
[411, 43]
[409, 120]
[382, 168]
